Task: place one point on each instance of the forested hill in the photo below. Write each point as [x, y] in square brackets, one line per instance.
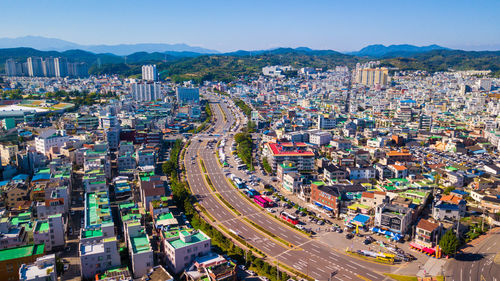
[227, 67]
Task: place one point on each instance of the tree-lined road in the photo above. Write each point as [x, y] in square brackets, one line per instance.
[307, 255]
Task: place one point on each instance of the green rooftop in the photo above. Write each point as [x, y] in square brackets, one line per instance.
[21, 252]
[165, 216]
[195, 238]
[140, 243]
[92, 233]
[42, 226]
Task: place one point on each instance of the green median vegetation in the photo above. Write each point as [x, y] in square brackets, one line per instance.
[247, 110]
[244, 148]
[221, 243]
[209, 182]
[266, 165]
[203, 166]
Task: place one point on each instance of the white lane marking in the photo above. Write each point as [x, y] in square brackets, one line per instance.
[314, 250]
[372, 276]
[347, 277]
[350, 266]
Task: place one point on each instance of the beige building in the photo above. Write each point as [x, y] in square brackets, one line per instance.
[373, 76]
[8, 154]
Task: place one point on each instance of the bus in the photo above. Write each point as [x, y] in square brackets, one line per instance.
[289, 218]
[261, 201]
[239, 183]
[270, 202]
[251, 192]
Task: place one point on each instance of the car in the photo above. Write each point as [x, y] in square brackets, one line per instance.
[339, 230]
[367, 241]
[66, 267]
[320, 222]
[251, 273]
[263, 278]
[349, 236]
[242, 267]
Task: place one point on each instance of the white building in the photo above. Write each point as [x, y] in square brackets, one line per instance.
[149, 72]
[181, 251]
[50, 232]
[139, 249]
[43, 269]
[326, 122]
[146, 91]
[145, 157]
[320, 138]
[61, 67]
[97, 253]
[35, 67]
[50, 138]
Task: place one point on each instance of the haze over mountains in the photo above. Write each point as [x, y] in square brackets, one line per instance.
[53, 44]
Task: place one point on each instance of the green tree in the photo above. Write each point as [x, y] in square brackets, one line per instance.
[449, 243]
[448, 189]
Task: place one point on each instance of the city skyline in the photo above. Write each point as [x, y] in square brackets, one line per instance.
[238, 26]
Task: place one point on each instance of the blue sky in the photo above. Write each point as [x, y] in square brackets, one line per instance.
[256, 24]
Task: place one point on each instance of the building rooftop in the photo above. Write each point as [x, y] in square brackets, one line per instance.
[42, 226]
[140, 243]
[92, 233]
[195, 238]
[21, 252]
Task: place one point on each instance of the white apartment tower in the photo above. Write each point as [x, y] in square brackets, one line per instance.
[149, 72]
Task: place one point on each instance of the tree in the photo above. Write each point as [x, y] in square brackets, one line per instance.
[449, 243]
[448, 189]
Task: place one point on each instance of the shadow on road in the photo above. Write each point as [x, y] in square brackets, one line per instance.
[469, 257]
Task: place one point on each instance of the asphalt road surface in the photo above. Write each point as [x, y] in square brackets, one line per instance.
[477, 263]
[307, 255]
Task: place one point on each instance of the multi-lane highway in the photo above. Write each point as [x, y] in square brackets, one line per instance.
[307, 255]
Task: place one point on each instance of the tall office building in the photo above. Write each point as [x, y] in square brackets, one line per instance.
[49, 69]
[372, 76]
[149, 72]
[146, 91]
[61, 67]
[187, 95]
[35, 67]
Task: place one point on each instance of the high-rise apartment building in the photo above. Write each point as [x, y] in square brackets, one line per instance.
[149, 72]
[10, 67]
[35, 67]
[49, 69]
[146, 91]
[372, 76]
[61, 67]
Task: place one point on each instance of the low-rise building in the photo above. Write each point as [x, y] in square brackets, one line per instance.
[393, 218]
[43, 269]
[50, 232]
[11, 260]
[182, 250]
[140, 251]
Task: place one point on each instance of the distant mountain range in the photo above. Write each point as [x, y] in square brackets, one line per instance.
[403, 50]
[191, 65]
[53, 44]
